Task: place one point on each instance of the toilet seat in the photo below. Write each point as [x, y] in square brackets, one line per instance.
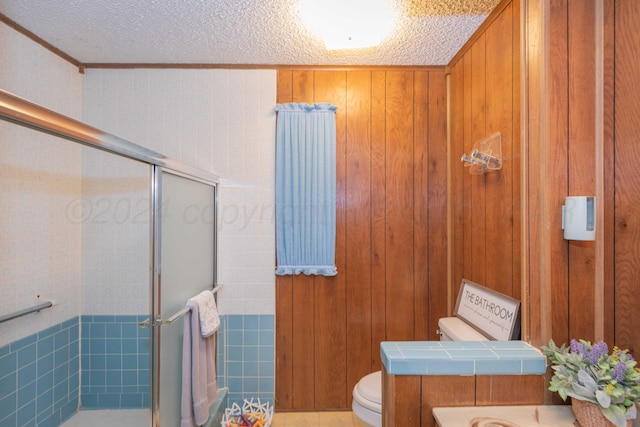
[368, 392]
[367, 400]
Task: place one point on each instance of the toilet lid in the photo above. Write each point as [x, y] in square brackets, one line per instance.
[370, 388]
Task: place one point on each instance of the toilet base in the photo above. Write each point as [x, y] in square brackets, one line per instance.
[366, 416]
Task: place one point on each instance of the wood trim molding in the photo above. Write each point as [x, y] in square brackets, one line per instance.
[266, 67]
[104, 65]
[599, 300]
[536, 250]
[450, 192]
[19, 28]
[524, 180]
[203, 66]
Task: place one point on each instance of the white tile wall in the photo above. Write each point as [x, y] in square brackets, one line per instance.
[221, 121]
[39, 179]
[34, 73]
[115, 235]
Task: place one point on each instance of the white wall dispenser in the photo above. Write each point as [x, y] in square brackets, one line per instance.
[579, 218]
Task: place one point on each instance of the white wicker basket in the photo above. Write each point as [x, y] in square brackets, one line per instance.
[251, 413]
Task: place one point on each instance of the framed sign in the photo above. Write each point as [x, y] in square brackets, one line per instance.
[493, 314]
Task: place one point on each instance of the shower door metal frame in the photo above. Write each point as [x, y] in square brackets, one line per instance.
[156, 277]
[25, 113]
[28, 114]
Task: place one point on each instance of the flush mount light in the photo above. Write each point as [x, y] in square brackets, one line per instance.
[349, 24]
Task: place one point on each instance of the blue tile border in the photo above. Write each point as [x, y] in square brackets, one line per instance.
[462, 358]
[39, 381]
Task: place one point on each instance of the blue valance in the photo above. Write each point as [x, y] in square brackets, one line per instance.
[306, 189]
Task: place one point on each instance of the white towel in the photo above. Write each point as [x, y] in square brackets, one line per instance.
[199, 387]
[208, 312]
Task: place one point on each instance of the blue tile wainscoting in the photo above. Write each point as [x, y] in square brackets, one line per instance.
[39, 377]
[249, 363]
[115, 362]
[221, 359]
[462, 358]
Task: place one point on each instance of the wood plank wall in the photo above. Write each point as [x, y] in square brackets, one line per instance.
[485, 98]
[582, 137]
[627, 175]
[391, 243]
[575, 285]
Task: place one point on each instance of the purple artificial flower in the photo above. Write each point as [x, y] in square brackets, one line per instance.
[578, 348]
[597, 351]
[619, 371]
[625, 352]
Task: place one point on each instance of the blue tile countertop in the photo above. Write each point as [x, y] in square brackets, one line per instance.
[462, 358]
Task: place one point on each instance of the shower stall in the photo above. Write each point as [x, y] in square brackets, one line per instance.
[102, 244]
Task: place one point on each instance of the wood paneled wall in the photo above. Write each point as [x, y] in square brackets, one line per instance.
[584, 99]
[625, 226]
[576, 64]
[485, 98]
[391, 246]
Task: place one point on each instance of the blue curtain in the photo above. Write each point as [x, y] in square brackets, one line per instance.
[306, 189]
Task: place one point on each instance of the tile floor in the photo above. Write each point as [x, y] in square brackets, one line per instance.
[140, 418]
[109, 418]
[315, 419]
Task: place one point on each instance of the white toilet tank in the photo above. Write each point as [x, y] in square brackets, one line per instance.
[454, 329]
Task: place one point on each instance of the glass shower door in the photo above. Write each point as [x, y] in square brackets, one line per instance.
[185, 266]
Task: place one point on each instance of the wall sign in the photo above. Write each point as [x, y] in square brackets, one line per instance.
[493, 314]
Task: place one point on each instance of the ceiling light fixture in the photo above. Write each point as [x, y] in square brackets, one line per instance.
[349, 24]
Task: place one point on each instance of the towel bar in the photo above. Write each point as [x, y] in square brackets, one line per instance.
[147, 322]
[26, 311]
[173, 318]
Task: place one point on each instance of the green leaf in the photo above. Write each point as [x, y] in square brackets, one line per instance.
[604, 400]
[615, 415]
[589, 397]
[632, 412]
[563, 393]
[585, 379]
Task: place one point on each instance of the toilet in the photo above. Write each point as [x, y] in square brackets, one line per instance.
[367, 400]
[500, 321]
[367, 394]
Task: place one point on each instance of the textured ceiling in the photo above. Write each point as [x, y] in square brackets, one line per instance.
[429, 32]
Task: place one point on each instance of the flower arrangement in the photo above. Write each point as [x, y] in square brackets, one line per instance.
[589, 373]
